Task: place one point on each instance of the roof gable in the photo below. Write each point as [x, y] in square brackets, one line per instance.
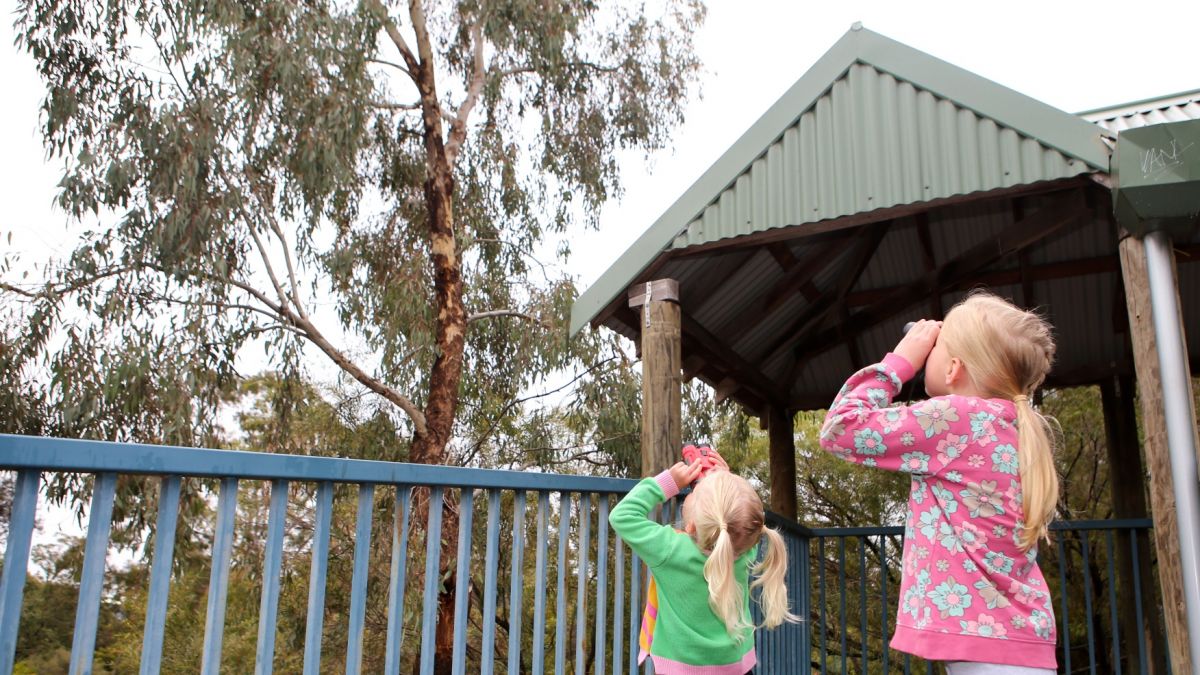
[873, 124]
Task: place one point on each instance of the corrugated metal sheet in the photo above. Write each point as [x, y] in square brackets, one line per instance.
[1173, 108]
[871, 142]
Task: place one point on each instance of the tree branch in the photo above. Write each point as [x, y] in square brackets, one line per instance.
[393, 33]
[458, 127]
[478, 316]
[392, 64]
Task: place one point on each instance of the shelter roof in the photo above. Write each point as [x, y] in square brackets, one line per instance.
[882, 186]
[1171, 108]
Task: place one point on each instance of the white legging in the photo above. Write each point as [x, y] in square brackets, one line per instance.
[973, 668]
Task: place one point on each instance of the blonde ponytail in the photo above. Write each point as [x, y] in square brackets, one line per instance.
[724, 593]
[1039, 478]
[1008, 352]
[727, 519]
[769, 577]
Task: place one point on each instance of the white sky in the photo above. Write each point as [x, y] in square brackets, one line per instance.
[1072, 55]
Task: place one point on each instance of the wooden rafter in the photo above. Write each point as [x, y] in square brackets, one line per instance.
[967, 266]
[810, 320]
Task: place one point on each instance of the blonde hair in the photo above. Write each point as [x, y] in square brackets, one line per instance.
[728, 518]
[1008, 352]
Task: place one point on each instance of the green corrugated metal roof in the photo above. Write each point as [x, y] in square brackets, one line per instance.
[873, 124]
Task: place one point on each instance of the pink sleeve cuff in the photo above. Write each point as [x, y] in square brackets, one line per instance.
[667, 483]
[904, 369]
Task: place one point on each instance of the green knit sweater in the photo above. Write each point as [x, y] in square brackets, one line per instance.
[687, 630]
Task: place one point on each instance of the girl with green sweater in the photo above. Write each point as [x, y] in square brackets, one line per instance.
[702, 574]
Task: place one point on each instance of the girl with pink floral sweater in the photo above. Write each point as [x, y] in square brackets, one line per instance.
[983, 489]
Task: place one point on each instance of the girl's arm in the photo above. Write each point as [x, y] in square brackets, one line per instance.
[862, 427]
[630, 519]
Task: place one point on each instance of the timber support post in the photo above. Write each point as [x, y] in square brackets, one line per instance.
[1148, 311]
[662, 372]
[780, 425]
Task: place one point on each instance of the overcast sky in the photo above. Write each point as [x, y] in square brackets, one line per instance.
[1072, 55]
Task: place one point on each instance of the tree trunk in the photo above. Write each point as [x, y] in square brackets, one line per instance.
[450, 338]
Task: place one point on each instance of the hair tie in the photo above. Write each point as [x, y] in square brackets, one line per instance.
[1020, 398]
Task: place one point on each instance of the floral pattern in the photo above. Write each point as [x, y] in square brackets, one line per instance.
[964, 572]
[934, 416]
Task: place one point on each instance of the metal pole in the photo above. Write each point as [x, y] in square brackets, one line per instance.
[1181, 440]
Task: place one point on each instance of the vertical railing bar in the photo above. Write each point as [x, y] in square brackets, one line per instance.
[618, 660]
[538, 643]
[1065, 629]
[821, 586]
[1112, 601]
[1087, 598]
[316, 579]
[487, 654]
[218, 585]
[160, 575]
[399, 571]
[842, 601]
[91, 584]
[560, 602]
[462, 575]
[862, 600]
[358, 583]
[1137, 603]
[433, 551]
[21, 519]
[585, 531]
[635, 608]
[272, 564]
[517, 585]
[883, 597]
[804, 593]
[601, 580]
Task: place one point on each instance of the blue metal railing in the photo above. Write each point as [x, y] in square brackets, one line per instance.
[845, 627]
[851, 621]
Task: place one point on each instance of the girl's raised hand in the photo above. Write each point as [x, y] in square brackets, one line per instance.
[918, 342]
[684, 474]
[719, 463]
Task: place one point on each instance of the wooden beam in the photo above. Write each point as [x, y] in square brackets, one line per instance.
[661, 383]
[930, 260]
[796, 278]
[812, 317]
[1037, 227]
[743, 370]
[782, 458]
[1067, 269]
[1162, 488]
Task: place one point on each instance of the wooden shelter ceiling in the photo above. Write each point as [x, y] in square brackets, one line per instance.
[782, 317]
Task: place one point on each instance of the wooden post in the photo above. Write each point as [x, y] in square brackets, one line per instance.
[662, 374]
[1162, 489]
[780, 431]
[1129, 501]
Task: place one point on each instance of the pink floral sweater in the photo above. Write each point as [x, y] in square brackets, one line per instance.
[967, 591]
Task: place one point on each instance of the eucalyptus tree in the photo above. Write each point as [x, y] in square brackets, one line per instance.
[379, 182]
[374, 182]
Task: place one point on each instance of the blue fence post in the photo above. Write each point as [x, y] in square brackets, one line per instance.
[462, 575]
[218, 583]
[16, 563]
[358, 584]
[316, 579]
[272, 565]
[433, 552]
[487, 654]
[160, 575]
[395, 625]
[516, 583]
[91, 585]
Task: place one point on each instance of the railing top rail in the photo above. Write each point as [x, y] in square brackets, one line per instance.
[58, 454]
